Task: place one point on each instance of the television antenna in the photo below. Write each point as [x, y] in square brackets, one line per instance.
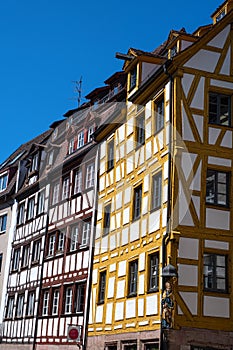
[78, 90]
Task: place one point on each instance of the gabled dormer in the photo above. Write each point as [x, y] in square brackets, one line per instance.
[221, 11]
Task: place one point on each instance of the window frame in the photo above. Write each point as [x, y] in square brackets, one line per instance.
[158, 116]
[110, 154]
[45, 309]
[137, 202]
[30, 306]
[36, 250]
[133, 78]
[74, 243]
[10, 307]
[65, 188]
[78, 181]
[21, 214]
[133, 278]
[151, 274]
[55, 193]
[25, 256]
[80, 142]
[90, 176]
[156, 200]
[214, 276]
[102, 286]
[86, 228]
[140, 129]
[55, 306]
[3, 223]
[106, 219]
[80, 290]
[41, 202]
[16, 259]
[3, 181]
[20, 305]
[215, 194]
[218, 96]
[30, 208]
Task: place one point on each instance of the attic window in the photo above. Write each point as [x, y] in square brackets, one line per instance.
[220, 15]
[173, 51]
[3, 182]
[133, 78]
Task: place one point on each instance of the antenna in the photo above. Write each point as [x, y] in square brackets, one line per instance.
[78, 89]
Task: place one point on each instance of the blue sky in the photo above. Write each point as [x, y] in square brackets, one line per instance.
[47, 44]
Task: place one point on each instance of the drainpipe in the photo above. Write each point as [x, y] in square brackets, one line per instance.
[163, 342]
[91, 252]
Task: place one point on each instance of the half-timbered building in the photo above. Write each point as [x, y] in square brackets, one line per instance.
[67, 258]
[165, 201]
[28, 225]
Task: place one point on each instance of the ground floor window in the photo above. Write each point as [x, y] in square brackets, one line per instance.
[151, 347]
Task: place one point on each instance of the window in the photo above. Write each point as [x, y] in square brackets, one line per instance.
[61, 241]
[157, 191]
[45, 306]
[110, 151]
[10, 307]
[81, 139]
[3, 182]
[154, 272]
[34, 163]
[71, 148]
[203, 348]
[20, 218]
[221, 15]
[86, 232]
[137, 203]
[30, 208]
[140, 130]
[65, 188]
[102, 286]
[217, 187]
[56, 189]
[31, 304]
[20, 305]
[80, 297]
[3, 221]
[15, 262]
[50, 158]
[130, 347]
[107, 217]
[111, 347]
[51, 246]
[215, 272]
[159, 114]
[133, 278]
[25, 256]
[55, 305]
[78, 181]
[36, 251]
[219, 109]
[68, 300]
[41, 201]
[90, 175]
[151, 347]
[1, 257]
[90, 132]
[74, 238]
[133, 78]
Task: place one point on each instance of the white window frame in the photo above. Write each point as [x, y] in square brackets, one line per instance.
[16, 258]
[90, 132]
[20, 305]
[3, 223]
[78, 181]
[65, 188]
[41, 202]
[80, 139]
[71, 146]
[86, 232]
[52, 242]
[30, 208]
[90, 175]
[10, 307]
[56, 190]
[21, 212]
[68, 300]
[25, 256]
[74, 236]
[36, 250]
[31, 304]
[55, 305]
[45, 307]
[3, 181]
[61, 241]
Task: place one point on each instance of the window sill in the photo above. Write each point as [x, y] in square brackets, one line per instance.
[132, 295]
[217, 206]
[214, 292]
[158, 131]
[155, 290]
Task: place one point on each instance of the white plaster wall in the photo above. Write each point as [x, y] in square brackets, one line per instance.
[190, 300]
[217, 219]
[203, 60]
[119, 311]
[216, 244]
[188, 275]
[188, 248]
[152, 305]
[130, 308]
[216, 307]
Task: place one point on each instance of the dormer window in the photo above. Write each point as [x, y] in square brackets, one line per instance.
[173, 51]
[81, 139]
[71, 146]
[3, 182]
[133, 78]
[220, 15]
[35, 162]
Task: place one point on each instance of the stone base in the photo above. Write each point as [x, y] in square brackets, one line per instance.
[185, 338]
[119, 339]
